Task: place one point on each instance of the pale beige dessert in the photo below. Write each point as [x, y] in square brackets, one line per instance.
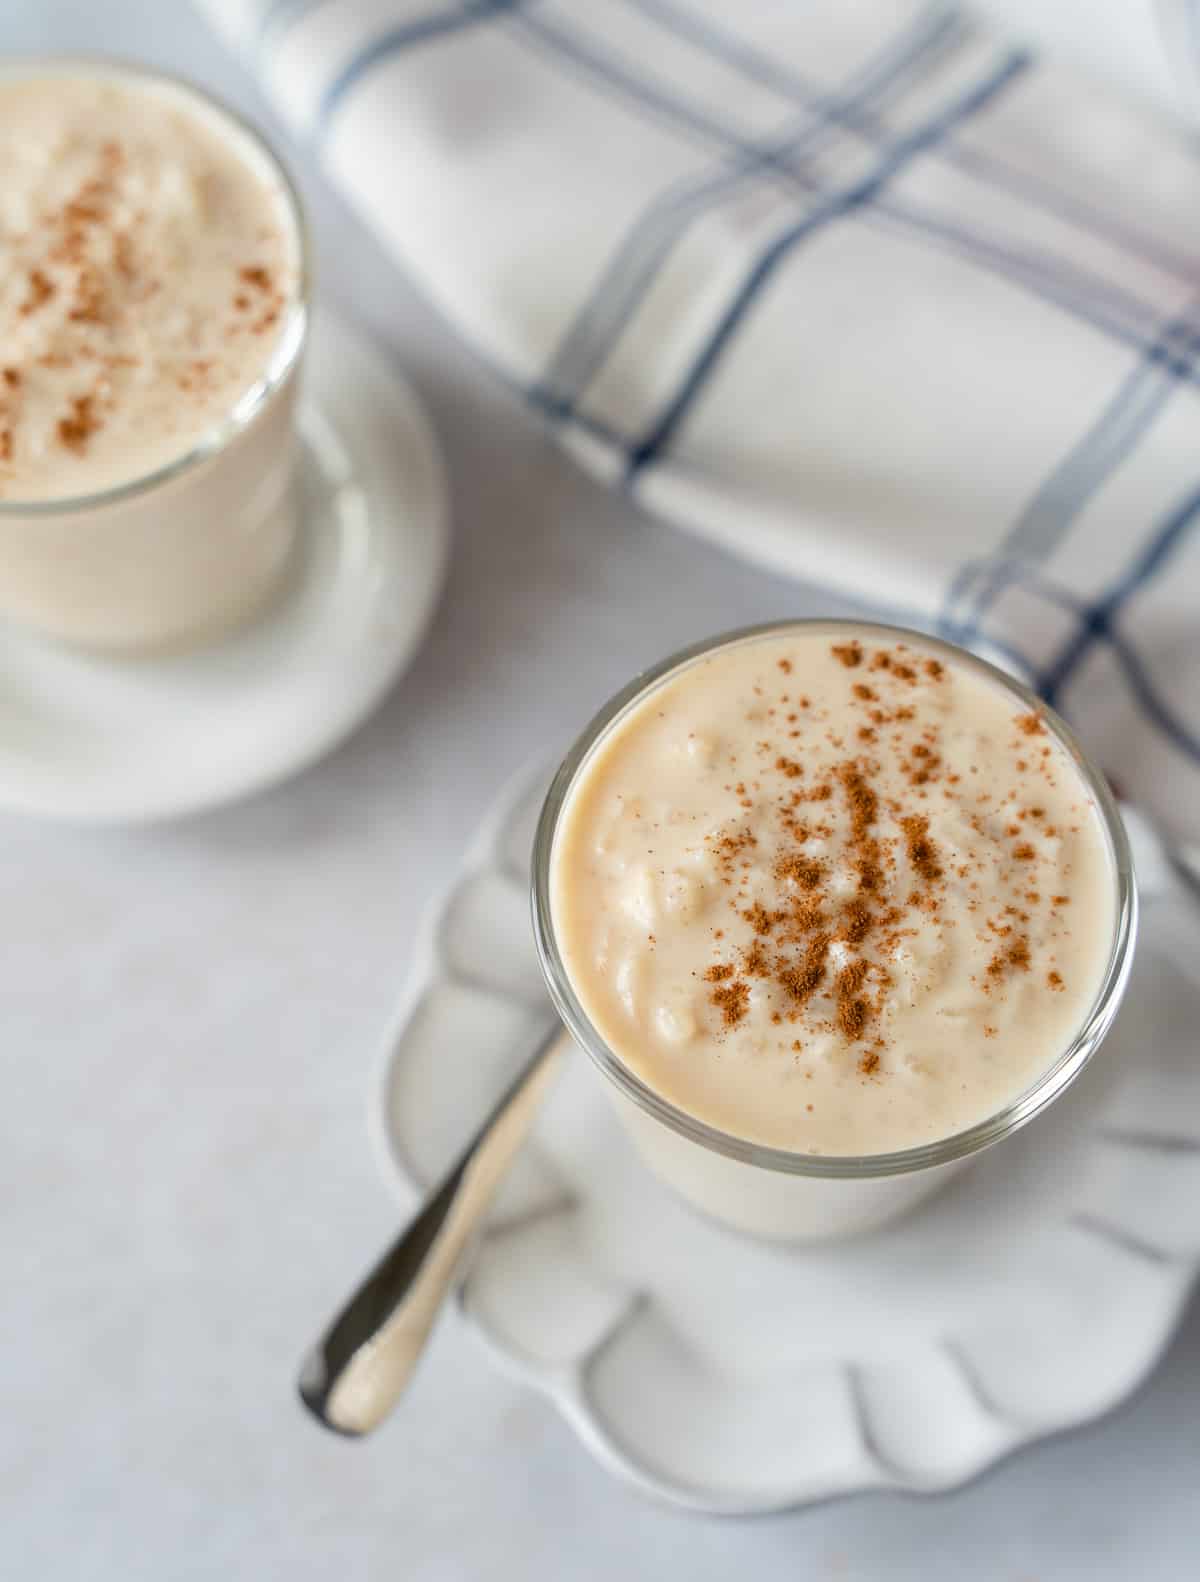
[150, 271]
[147, 261]
[838, 895]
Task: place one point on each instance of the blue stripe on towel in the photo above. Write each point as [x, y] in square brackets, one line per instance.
[398, 39]
[1102, 613]
[862, 192]
[1167, 359]
[1079, 477]
[1033, 274]
[639, 257]
[1122, 316]
[276, 18]
[769, 72]
[1174, 729]
[1103, 628]
[1088, 298]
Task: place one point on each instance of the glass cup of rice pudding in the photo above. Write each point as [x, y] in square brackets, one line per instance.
[153, 311]
[833, 906]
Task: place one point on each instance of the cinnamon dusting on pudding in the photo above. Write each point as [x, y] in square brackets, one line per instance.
[122, 255]
[1015, 956]
[801, 978]
[811, 919]
[732, 1000]
[800, 870]
[922, 853]
[80, 423]
[863, 908]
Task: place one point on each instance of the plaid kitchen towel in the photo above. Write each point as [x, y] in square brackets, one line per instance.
[866, 291]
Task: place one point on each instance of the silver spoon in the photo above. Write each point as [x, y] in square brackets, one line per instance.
[358, 1369]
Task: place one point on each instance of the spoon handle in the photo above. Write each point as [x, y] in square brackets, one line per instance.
[359, 1368]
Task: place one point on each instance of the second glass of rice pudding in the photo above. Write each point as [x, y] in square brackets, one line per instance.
[153, 313]
[832, 906]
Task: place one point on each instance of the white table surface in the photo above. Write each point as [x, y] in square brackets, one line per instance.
[190, 1020]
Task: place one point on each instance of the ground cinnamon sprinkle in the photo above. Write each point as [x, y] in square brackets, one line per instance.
[852, 1019]
[802, 979]
[730, 845]
[89, 302]
[94, 253]
[81, 423]
[853, 1011]
[851, 979]
[922, 853]
[862, 800]
[822, 950]
[755, 961]
[256, 275]
[802, 870]
[926, 768]
[857, 922]
[1014, 955]
[805, 915]
[868, 869]
[732, 1000]
[41, 289]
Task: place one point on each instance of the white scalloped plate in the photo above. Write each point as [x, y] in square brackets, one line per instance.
[731, 1376]
[103, 739]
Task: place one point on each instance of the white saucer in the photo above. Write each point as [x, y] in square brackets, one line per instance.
[102, 740]
[731, 1376]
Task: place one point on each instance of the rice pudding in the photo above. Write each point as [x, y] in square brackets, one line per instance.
[833, 892]
[151, 274]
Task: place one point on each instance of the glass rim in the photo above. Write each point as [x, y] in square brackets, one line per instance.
[958, 1145]
[285, 354]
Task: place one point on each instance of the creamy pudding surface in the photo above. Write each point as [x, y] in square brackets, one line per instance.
[148, 259]
[835, 893]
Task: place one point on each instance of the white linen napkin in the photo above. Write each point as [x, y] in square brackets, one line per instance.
[866, 291]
